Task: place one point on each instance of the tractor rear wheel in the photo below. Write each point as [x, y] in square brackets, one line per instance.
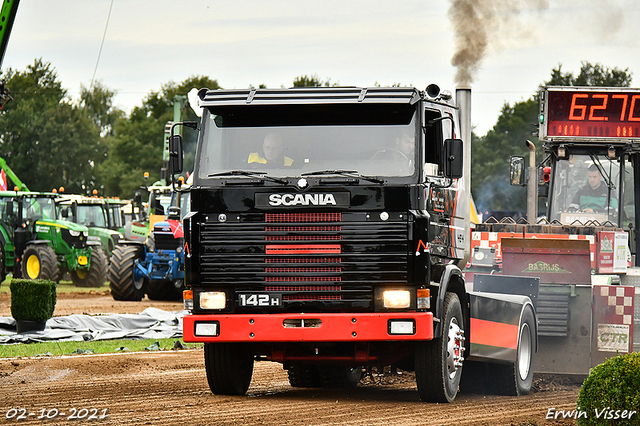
[121, 277]
[96, 275]
[39, 262]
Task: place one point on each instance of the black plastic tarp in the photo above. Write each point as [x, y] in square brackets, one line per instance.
[152, 323]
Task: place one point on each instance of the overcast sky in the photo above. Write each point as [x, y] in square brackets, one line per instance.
[351, 42]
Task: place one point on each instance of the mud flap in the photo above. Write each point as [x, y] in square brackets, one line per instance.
[502, 343]
[495, 326]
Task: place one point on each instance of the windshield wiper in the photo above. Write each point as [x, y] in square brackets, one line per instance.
[261, 175]
[347, 173]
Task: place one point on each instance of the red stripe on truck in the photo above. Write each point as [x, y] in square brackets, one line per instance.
[493, 333]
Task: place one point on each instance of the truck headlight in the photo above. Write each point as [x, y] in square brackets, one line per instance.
[213, 300]
[396, 299]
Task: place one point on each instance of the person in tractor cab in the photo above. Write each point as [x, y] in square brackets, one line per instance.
[593, 197]
[272, 153]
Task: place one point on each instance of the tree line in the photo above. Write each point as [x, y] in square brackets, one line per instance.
[50, 141]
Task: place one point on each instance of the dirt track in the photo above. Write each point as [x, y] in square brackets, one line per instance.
[170, 388]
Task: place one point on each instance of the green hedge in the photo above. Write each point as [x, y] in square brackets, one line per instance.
[612, 392]
[32, 300]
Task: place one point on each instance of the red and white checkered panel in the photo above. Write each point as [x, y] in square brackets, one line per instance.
[614, 303]
[485, 239]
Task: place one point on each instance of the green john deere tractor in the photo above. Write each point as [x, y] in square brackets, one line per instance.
[93, 213]
[34, 244]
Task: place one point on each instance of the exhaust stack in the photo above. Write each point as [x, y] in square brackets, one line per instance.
[463, 100]
[532, 185]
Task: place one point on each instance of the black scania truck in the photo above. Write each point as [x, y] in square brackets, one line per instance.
[325, 233]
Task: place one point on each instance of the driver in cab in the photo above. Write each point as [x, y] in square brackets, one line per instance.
[592, 198]
[272, 154]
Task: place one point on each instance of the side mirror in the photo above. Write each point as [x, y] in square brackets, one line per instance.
[175, 154]
[453, 164]
[516, 170]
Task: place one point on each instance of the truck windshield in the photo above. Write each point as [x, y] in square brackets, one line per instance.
[372, 140]
[586, 188]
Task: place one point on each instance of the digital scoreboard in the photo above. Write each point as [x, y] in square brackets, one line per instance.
[602, 113]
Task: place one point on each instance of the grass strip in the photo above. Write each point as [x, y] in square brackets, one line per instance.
[96, 347]
[63, 287]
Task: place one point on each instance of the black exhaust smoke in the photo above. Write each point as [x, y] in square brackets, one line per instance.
[480, 25]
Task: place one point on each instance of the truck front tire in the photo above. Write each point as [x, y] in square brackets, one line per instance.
[439, 361]
[229, 367]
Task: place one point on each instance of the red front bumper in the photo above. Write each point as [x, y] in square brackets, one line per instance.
[341, 327]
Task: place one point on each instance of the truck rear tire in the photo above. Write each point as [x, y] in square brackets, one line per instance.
[438, 361]
[121, 279]
[340, 376]
[39, 262]
[97, 273]
[475, 379]
[304, 376]
[229, 367]
[516, 378]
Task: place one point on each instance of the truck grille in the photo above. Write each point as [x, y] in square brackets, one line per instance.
[333, 259]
